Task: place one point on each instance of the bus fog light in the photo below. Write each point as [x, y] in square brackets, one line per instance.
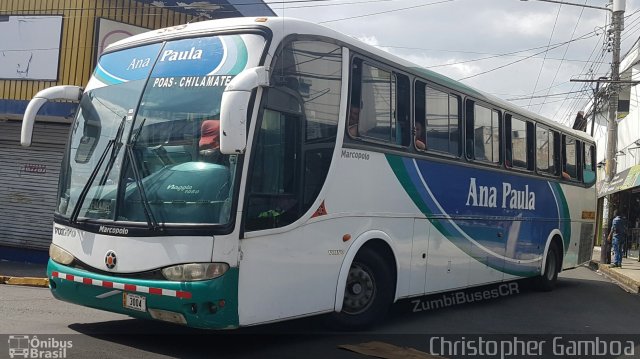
[167, 316]
[59, 255]
[195, 271]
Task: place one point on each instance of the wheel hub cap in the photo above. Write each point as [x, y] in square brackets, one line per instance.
[360, 291]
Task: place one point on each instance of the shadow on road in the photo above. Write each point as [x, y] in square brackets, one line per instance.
[569, 309]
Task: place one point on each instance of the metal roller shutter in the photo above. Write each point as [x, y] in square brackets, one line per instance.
[29, 182]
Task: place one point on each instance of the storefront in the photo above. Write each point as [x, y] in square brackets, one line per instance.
[624, 194]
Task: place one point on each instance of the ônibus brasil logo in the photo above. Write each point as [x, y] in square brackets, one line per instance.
[24, 346]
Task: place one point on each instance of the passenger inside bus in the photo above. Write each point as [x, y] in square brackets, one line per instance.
[420, 137]
[209, 145]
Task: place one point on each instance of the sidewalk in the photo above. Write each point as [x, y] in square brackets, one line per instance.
[627, 277]
[17, 273]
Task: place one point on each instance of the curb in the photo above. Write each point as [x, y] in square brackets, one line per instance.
[623, 281]
[25, 281]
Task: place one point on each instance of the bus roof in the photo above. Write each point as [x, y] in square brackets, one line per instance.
[282, 27]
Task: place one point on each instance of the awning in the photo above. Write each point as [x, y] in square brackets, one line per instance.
[626, 179]
[215, 9]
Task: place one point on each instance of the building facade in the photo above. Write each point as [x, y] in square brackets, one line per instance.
[623, 192]
[57, 42]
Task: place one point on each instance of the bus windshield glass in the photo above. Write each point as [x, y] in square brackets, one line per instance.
[144, 146]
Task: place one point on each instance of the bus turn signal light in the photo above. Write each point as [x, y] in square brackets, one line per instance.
[346, 238]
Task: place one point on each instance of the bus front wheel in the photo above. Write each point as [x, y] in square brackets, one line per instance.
[368, 292]
[548, 278]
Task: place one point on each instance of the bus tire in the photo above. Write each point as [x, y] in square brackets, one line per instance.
[548, 278]
[368, 293]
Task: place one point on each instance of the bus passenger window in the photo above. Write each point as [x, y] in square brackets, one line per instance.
[442, 121]
[379, 105]
[296, 134]
[403, 111]
[589, 172]
[437, 125]
[378, 97]
[569, 163]
[545, 151]
[355, 104]
[484, 131]
[418, 131]
[517, 141]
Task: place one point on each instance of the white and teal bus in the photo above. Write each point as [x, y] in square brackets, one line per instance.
[244, 171]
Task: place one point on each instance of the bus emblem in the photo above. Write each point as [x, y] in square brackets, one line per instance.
[110, 259]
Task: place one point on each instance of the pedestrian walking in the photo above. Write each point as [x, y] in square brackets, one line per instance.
[616, 238]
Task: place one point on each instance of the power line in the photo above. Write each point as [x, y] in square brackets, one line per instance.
[528, 57]
[491, 55]
[543, 96]
[387, 11]
[565, 52]
[553, 30]
[324, 5]
[583, 70]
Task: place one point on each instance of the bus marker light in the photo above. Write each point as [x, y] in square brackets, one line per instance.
[346, 238]
[221, 303]
[261, 19]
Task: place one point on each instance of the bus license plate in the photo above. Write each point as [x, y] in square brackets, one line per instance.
[134, 301]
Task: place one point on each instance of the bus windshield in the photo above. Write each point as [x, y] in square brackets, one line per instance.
[144, 146]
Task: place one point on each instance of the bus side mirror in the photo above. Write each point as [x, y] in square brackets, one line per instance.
[234, 108]
[71, 93]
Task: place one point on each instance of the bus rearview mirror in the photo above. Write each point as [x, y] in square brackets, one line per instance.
[70, 93]
[234, 108]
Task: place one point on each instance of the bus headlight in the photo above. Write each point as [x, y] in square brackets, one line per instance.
[59, 255]
[195, 271]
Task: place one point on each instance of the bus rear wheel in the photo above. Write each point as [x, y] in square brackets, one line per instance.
[548, 278]
[368, 293]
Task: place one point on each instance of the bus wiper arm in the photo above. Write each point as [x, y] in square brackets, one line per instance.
[87, 186]
[151, 220]
[112, 144]
[117, 143]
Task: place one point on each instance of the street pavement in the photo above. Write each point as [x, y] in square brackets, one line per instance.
[627, 276]
[584, 302]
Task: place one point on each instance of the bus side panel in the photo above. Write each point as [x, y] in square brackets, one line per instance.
[579, 246]
[498, 220]
[294, 273]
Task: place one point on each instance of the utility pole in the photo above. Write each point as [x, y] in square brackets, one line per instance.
[617, 23]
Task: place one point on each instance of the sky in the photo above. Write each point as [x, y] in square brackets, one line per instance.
[522, 51]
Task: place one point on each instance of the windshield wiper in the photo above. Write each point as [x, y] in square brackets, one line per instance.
[85, 190]
[114, 153]
[87, 186]
[151, 220]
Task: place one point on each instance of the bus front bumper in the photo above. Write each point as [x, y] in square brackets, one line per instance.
[210, 304]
